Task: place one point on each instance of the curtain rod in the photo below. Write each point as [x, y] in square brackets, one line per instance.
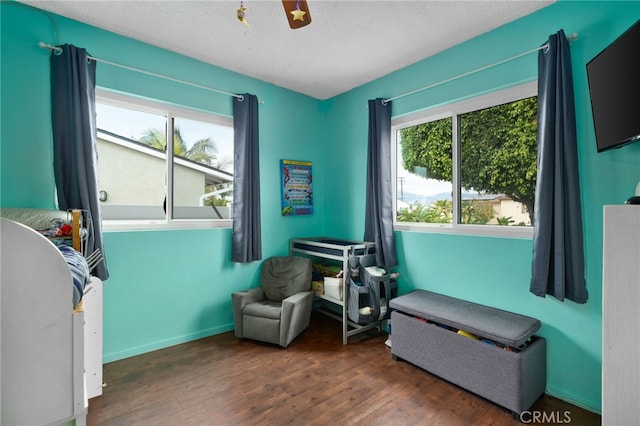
[439, 83]
[58, 50]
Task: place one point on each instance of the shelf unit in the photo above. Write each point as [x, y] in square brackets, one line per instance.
[337, 250]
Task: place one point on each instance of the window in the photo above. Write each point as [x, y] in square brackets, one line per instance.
[140, 179]
[470, 166]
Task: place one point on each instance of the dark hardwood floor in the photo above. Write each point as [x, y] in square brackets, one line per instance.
[317, 380]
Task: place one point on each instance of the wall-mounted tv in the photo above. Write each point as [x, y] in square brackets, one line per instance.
[614, 88]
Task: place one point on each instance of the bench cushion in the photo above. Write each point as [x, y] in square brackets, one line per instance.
[501, 326]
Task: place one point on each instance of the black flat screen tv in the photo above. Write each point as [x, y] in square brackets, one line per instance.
[614, 88]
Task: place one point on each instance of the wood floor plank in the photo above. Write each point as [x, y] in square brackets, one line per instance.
[317, 380]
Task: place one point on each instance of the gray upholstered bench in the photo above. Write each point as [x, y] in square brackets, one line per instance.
[505, 363]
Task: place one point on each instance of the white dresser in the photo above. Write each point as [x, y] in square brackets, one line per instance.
[92, 302]
[621, 316]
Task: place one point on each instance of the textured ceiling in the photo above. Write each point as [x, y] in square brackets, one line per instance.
[347, 44]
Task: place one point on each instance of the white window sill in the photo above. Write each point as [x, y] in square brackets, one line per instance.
[525, 232]
[150, 225]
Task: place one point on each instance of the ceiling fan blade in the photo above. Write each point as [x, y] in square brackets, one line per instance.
[297, 13]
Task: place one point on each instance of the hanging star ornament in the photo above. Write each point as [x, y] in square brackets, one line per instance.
[298, 15]
[241, 15]
[297, 12]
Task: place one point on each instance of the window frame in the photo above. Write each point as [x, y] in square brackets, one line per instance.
[131, 101]
[454, 110]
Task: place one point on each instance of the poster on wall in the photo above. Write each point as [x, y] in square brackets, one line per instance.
[297, 193]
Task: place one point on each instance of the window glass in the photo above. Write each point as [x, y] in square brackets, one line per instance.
[139, 179]
[424, 181]
[469, 163]
[131, 163]
[498, 163]
[203, 170]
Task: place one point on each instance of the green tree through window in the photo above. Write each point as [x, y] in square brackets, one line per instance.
[202, 151]
[498, 149]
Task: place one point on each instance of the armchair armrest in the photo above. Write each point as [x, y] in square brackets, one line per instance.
[298, 298]
[239, 300]
[296, 316]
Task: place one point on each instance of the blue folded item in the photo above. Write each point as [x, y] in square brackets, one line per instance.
[79, 271]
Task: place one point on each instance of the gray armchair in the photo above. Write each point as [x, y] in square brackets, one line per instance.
[280, 309]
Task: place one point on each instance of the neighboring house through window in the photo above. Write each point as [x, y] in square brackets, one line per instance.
[469, 166]
[139, 179]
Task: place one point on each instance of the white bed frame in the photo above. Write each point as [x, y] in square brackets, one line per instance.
[42, 352]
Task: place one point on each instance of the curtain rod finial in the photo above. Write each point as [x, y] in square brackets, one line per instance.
[44, 45]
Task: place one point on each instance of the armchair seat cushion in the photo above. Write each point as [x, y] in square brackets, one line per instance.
[263, 309]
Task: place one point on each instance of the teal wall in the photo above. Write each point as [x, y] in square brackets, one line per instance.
[496, 271]
[168, 286]
[171, 286]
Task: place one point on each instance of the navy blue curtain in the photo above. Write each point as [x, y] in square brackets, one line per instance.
[558, 252]
[247, 235]
[73, 121]
[378, 225]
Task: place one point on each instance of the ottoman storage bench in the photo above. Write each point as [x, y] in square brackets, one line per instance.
[488, 351]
